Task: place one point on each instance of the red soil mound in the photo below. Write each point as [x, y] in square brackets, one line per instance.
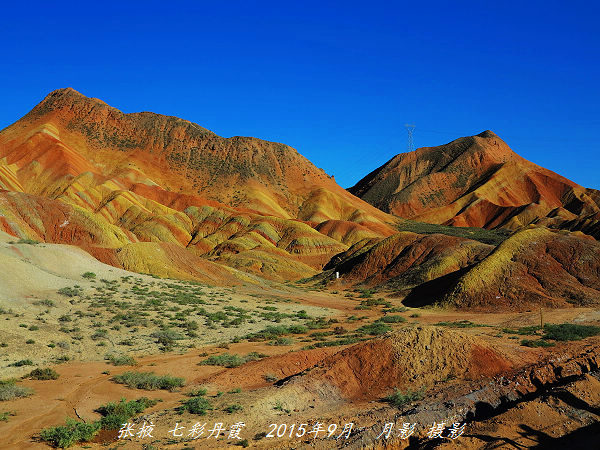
[409, 358]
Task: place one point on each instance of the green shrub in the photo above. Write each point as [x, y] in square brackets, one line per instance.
[282, 341]
[569, 332]
[116, 414]
[233, 408]
[197, 393]
[70, 433]
[392, 319]
[227, 360]
[149, 381]
[120, 360]
[197, 405]
[22, 362]
[28, 241]
[68, 292]
[5, 415]
[374, 329]
[400, 398]
[89, 275]
[536, 343]
[9, 390]
[43, 374]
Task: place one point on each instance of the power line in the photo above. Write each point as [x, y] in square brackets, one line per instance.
[410, 128]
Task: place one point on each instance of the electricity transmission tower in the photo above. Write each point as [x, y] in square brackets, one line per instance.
[411, 144]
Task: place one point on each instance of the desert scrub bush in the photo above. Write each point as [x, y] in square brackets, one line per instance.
[42, 374]
[149, 381]
[167, 338]
[5, 415]
[72, 432]
[227, 360]
[9, 390]
[196, 405]
[558, 332]
[270, 377]
[45, 302]
[120, 360]
[89, 275]
[201, 392]
[116, 414]
[536, 343]
[22, 362]
[569, 331]
[400, 398]
[374, 329]
[392, 319]
[233, 408]
[27, 241]
[69, 291]
[282, 341]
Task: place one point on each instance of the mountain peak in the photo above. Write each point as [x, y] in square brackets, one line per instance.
[488, 134]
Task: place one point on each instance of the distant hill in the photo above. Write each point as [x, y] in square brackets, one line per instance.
[478, 181]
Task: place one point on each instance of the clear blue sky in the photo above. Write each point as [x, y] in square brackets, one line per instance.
[337, 82]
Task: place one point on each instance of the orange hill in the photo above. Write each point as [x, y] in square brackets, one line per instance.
[123, 186]
[479, 181]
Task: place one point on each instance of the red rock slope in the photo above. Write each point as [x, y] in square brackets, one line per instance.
[478, 181]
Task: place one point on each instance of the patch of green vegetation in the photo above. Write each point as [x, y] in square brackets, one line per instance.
[391, 319]
[227, 360]
[46, 302]
[69, 291]
[334, 343]
[396, 309]
[89, 275]
[557, 332]
[569, 331]
[149, 381]
[282, 341]
[374, 329]
[43, 374]
[401, 398]
[71, 433]
[5, 415]
[22, 362]
[492, 237]
[26, 241]
[197, 405]
[114, 415]
[9, 390]
[233, 408]
[536, 343]
[120, 360]
[279, 407]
